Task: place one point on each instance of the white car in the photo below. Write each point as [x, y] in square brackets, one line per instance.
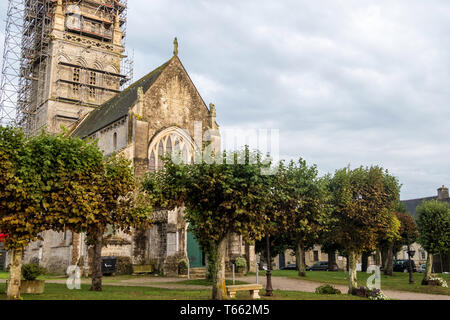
[422, 267]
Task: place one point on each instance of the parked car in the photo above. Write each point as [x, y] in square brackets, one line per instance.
[318, 266]
[422, 267]
[322, 266]
[291, 266]
[403, 266]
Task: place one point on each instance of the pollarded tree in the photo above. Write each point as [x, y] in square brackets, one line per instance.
[82, 191]
[433, 222]
[42, 181]
[363, 204]
[220, 199]
[303, 206]
[114, 201]
[19, 202]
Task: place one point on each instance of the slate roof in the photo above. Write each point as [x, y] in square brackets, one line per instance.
[116, 107]
[412, 204]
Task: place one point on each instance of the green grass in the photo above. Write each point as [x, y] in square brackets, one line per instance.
[5, 275]
[399, 281]
[60, 292]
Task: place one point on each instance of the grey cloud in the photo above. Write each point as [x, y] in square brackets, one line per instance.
[356, 81]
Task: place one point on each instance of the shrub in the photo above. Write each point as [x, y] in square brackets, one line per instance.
[376, 294]
[240, 263]
[182, 266]
[371, 294]
[31, 271]
[123, 266]
[436, 281]
[327, 289]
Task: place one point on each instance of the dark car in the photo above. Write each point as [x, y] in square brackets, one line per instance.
[403, 266]
[322, 266]
[318, 266]
[291, 266]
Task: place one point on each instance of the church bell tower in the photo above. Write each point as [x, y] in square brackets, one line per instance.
[72, 52]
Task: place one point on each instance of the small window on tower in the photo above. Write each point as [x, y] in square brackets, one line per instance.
[76, 78]
[92, 82]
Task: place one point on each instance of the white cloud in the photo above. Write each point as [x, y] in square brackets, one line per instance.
[354, 81]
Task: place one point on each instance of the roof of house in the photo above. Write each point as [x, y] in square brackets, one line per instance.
[411, 205]
[116, 107]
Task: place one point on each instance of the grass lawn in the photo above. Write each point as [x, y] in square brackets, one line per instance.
[5, 275]
[60, 292]
[399, 281]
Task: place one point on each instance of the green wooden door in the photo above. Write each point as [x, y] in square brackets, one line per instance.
[195, 254]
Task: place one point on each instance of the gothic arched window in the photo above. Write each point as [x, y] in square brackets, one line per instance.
[172, 142]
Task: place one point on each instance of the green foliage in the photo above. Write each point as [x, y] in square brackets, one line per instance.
[364, 200]
[240, 262]
[408, 231]
[20, 190]
[303, 203]
[433, 221]
[31, 271]
[219, 198]
[182, 266]
[327, 289]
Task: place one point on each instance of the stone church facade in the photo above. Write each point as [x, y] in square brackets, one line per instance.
[161, 112]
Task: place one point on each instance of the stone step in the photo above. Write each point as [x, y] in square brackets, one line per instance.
[197, 271]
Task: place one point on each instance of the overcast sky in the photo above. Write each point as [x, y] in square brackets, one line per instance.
[354, 82]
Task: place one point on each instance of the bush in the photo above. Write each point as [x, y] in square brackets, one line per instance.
[370, 293]
[123, 266]
[376, 294]
[31, 271]
[327, 289]
[436, 281]
[240, 263]
[182, 266]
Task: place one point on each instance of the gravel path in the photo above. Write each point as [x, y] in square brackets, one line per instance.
[283, 283]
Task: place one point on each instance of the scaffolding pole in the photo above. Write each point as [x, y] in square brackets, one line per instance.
[26, 56]
[11, 60]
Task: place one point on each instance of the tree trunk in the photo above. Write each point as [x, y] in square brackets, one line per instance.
[331, 259]
[269, 289]
[384, 256]
[97, 263]
[352, 281]
[378, 257]
[388, 265]
[364, 261]
[347, 268]
[15, 273]
[301, 260]
[218, 269]
[428, 269]
[411, 278]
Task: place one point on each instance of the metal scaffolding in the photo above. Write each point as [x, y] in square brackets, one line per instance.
[26, 55]
[11, 60]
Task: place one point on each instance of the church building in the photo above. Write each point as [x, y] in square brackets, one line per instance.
[161, 112]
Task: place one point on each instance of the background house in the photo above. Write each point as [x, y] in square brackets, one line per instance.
[441, 263]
